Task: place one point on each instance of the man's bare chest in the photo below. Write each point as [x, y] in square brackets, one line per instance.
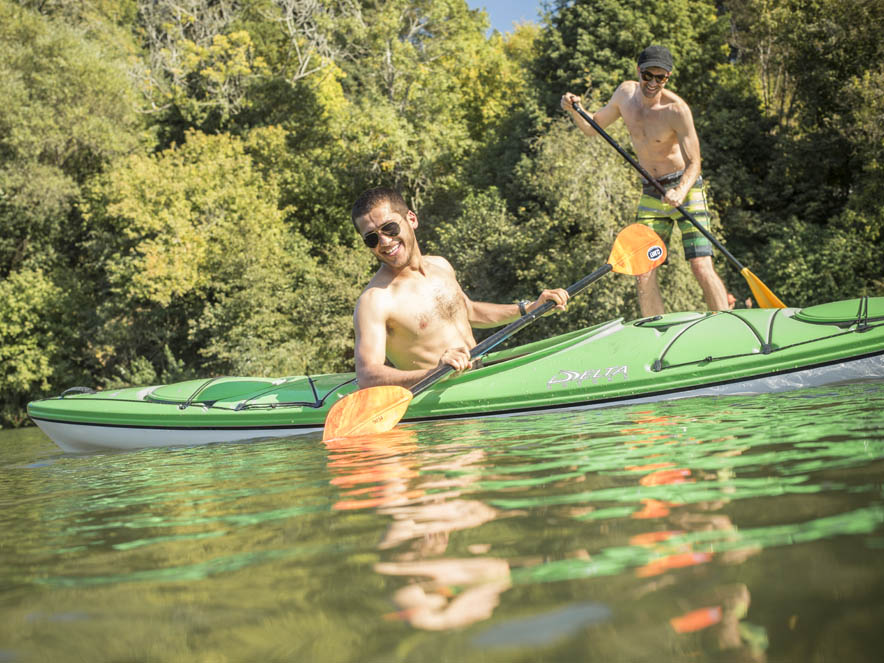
[421, 310]
[648, 127]
[651, 136]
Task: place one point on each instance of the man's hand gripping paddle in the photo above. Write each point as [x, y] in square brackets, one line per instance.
[637, 249]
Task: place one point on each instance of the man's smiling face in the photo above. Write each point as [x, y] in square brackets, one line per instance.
[652, 80]
[395, 246]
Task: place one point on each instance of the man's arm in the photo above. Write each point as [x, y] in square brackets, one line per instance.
[369, 322]
[485, 314]
[603, 117]
[689, 143]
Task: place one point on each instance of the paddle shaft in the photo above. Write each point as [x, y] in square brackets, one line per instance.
[503, 334]
[650, 178]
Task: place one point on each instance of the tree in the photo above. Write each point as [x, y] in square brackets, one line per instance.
[805, 171]
[199, 68]
[593, 44]
[30, 340]
[191, 255]
[68, 109]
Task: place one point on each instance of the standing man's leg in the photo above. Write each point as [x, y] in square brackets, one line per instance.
[649, 299]
[653, 213]
[698, 249]
[714, 291]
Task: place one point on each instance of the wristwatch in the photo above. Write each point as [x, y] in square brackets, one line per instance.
[522, 304]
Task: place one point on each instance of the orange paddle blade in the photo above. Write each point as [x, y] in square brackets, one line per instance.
[637, 250]
[367, 411]
[762, 294]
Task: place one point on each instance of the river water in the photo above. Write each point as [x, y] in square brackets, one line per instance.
[707, 529]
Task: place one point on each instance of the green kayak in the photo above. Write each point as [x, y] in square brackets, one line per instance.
[676, 355]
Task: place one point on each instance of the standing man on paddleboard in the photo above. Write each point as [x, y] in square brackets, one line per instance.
[413, 317]
[662, 130]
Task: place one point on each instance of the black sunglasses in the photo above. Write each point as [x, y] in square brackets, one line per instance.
[372, 239]
[647, 76]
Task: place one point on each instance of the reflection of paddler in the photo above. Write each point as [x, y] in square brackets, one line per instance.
[678, 556]
[378, 472]
[454, 593]
[662, 472]
[673, 556]
[651, 428]
[442, 592]
[437, 509]
[374, 470]
[422, 523]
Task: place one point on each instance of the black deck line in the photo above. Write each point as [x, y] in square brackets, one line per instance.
[495, 413]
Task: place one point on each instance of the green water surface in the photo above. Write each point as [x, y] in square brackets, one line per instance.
[732, 529]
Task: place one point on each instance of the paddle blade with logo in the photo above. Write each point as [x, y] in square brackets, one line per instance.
[366, 412]
[637, 250]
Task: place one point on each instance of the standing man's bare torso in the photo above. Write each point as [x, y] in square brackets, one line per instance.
[652, 127]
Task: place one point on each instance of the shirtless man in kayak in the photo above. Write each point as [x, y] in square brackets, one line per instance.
[413, 314]
[662, 130]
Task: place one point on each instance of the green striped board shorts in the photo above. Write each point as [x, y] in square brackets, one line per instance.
[661, 218]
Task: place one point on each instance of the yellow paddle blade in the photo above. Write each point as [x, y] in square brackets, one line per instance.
[367, 411]
[637, 250]
[763, 296]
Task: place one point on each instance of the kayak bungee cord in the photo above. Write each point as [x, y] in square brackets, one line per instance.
[765, 348]
[317, 402]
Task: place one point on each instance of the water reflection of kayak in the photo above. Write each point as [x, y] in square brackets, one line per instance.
[677, 355]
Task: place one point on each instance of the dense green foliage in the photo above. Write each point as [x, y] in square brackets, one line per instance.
[175, 177]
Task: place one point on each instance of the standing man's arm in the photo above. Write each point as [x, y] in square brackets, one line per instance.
[603, 117]
[689, 143]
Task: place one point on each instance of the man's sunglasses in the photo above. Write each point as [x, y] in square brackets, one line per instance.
[372, 239]
[647, 76]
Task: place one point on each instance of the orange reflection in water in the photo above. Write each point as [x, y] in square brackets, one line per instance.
[373, 470]
[721, 614]
[661, 473]
[696, 620]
